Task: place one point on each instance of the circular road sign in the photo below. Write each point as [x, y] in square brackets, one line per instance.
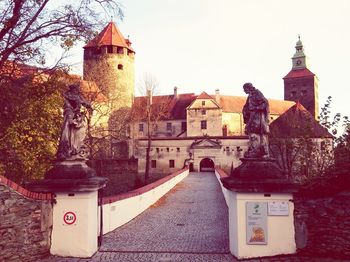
[69, 218]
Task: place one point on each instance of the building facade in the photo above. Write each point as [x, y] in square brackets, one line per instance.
[201, 131]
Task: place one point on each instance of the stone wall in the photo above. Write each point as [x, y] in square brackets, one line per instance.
[323, 222]
[25, 223]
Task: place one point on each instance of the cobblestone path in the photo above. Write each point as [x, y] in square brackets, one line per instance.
[191, 218]
[190, 223]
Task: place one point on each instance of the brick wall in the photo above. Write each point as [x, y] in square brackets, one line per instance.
[25, 223]
[322, 220]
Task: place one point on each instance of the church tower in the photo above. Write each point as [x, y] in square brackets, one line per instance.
[109, 62]
[300, 84]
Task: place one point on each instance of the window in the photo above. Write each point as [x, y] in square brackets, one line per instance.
[178, 149]
[167, 149]
[110, 49]
[203, 124]
[203, 112]
[183, 126]
[120, 67]
[120, 50]
[171, 163]
[153, 163]
[168, 126]
[203, 103]
[140, 127]
[157, 149]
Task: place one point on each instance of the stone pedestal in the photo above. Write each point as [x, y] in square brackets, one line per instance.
[75, 211]
[260, 203]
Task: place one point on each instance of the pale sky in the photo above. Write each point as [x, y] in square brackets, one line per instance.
[203, 45]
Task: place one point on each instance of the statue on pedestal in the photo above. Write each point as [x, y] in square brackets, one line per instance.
[74, 125]
[256, 118]
[70, 172]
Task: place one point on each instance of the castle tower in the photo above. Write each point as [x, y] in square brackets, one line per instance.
[109, 62]
[300, 84]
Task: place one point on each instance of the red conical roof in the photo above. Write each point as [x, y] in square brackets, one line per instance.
[110, 35]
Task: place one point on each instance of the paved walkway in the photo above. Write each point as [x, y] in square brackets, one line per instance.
[190, 223]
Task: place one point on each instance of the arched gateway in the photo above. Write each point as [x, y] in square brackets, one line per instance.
[206, 165]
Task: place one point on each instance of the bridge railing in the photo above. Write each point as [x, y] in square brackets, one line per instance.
[219, 173]
[120, 209]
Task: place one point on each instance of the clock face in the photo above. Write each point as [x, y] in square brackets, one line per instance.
[298, 62]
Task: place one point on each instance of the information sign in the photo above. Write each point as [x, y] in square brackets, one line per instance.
[278, 208]
[256, 219]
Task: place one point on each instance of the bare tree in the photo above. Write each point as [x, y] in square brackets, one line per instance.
[106, 124]
[145, 110]
[303, 147]
[28, 26]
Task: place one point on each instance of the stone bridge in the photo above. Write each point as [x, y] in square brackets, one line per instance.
[189, 223]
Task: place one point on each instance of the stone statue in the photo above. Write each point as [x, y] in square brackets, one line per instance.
[74, 126]
[256, 118]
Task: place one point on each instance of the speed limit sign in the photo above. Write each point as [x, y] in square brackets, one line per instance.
[69, 218]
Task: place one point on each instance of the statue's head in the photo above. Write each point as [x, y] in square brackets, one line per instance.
[248, 87]
[74, 88]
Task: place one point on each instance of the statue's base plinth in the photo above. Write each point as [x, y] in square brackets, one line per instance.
[69, 176]
[70, 169]
[258, 175]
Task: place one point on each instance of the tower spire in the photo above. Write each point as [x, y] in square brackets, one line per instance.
[299, 59]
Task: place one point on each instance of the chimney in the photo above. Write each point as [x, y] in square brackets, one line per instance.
[217, 95]
[175, 91]
[149, 97]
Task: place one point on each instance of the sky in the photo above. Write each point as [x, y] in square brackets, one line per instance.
[203, 45]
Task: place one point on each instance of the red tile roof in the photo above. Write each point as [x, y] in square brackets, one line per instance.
[299, 73]
[110, 35]
[231, 104]
[297, 122]
[236, 103]
[204, 95]
[176, 107]
[18, 70]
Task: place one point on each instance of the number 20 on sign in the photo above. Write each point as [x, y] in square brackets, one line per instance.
[69, 218]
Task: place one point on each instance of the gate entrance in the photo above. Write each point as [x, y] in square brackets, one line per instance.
[206, 165]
